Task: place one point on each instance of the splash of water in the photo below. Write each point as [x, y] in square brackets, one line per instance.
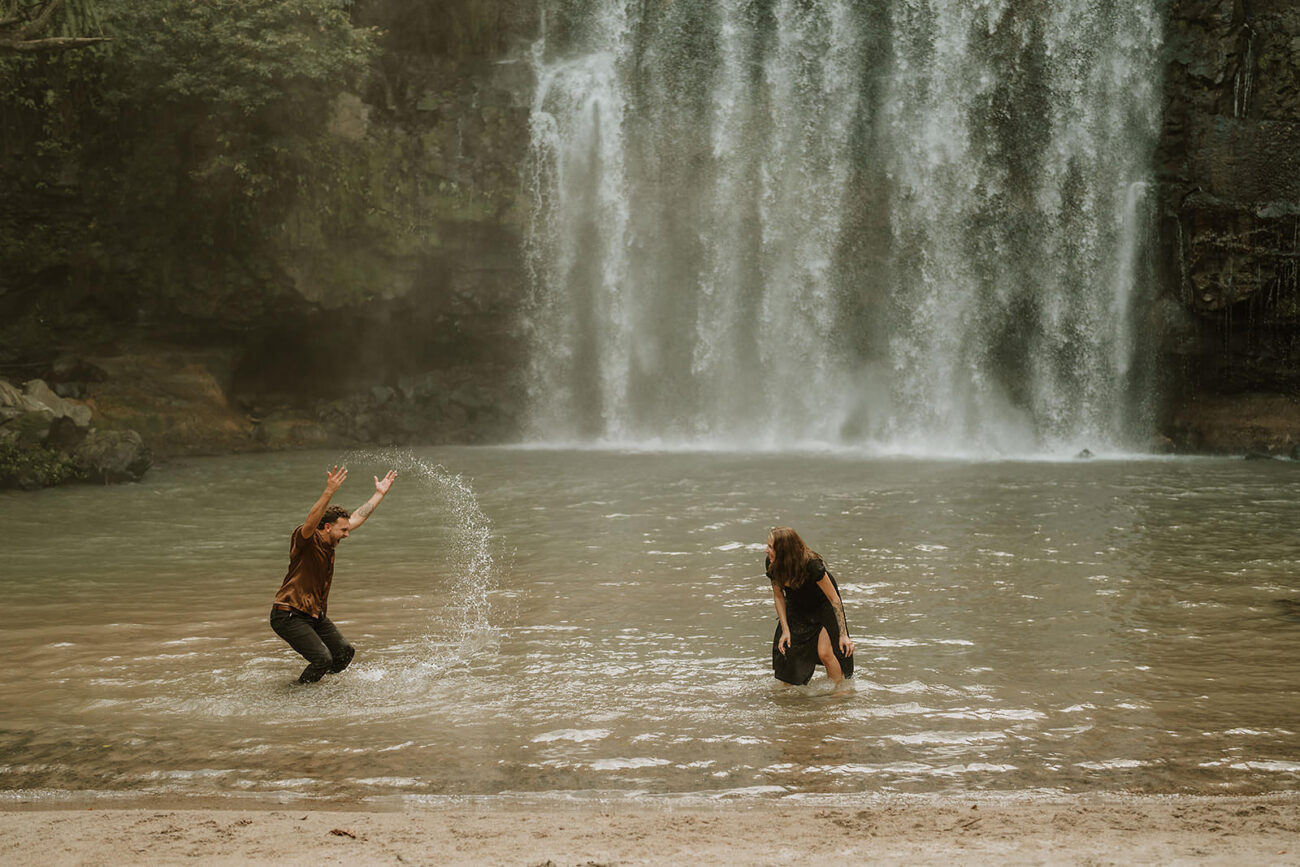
[903, 226]
[464, 627]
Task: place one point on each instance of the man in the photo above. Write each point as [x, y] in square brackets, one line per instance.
[298, 614]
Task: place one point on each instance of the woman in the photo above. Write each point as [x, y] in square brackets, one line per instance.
[811, 627]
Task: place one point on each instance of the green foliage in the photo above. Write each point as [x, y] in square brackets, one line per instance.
[245, 55]
[35, 467]
[164, 163]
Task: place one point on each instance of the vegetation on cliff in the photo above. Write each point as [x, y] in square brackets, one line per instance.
[269, 182]
[154, 171]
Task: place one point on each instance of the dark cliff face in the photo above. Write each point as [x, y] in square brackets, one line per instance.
[1229, 168]
[432, 278]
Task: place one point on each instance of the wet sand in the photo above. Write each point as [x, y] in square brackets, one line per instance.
[982, 830]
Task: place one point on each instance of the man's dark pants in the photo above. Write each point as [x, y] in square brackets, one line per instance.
[317, 639]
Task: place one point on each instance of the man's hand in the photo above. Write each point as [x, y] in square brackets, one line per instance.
[334, 479]
[381, 488]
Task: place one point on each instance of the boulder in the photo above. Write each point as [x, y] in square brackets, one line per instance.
[79, 414]
[37, 390]
[281, 431]
[65, 435]
[31, 427]
[113, 456]
[12, 398]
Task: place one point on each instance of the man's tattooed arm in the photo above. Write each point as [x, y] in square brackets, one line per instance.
[381, 489]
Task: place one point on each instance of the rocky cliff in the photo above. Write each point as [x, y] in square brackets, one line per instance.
[428, 352]
[1229, 170]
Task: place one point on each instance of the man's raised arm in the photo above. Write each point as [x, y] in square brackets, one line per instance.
[333, 481]
[381, 488]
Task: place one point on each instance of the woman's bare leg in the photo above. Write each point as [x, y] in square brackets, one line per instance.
[827, 655]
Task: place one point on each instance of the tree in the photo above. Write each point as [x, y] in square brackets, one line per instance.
[167, 171]
[27, 27]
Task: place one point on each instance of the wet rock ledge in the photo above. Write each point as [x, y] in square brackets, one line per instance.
[47, 439]
[106, 418]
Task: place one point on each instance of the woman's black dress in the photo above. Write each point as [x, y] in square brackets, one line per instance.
[808, 612]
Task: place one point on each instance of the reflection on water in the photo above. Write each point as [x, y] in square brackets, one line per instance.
[595, 622]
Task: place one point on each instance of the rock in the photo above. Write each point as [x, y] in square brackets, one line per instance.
[1229, 178]
[1084, 455]
[1162, 445]
[10, 397]
[1236, 424]
[113, 456]
[32, 427]
[469, 397]
[75, 390]
[381, 394]
[283, 431]
[73, 369]
[79, 413]
[33, 467]
[1258, 456]
[37, 390]
[173, 397]
[65, 435]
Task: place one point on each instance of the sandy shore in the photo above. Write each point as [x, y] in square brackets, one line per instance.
[1088, 829]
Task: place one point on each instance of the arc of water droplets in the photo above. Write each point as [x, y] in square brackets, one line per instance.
[468, 612]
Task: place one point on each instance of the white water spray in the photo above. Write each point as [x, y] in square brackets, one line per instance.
[463, 626]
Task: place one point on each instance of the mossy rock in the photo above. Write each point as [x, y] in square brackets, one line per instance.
[31, 468]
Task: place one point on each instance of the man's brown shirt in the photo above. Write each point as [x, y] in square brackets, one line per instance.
[306, 587]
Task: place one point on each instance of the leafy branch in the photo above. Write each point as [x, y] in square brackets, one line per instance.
[26, 28]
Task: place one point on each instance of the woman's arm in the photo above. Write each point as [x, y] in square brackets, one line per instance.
[783, 643]
[846, 643]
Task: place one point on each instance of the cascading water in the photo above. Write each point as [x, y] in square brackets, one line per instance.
[908, 225]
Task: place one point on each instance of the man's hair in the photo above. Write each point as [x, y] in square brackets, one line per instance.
[332, 514]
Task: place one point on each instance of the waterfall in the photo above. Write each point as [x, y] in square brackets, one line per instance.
[910, 226]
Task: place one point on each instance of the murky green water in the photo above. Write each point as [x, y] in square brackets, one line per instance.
[598, 623]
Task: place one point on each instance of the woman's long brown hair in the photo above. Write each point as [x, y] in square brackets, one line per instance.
[790, 565]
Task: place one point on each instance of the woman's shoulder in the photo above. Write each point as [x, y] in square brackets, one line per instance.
[816, 568]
